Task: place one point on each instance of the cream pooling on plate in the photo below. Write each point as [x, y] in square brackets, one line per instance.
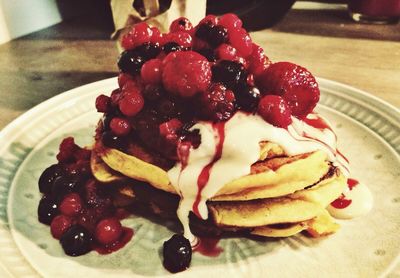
[239, 140]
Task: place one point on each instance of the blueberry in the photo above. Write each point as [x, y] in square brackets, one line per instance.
[229, 73]
[130, 62]
[76, 241]
[172, 47]
[214, 35]
[111, 140]
[47, 178]
[148, 50]
[247, 97]
[177, 253]
[47, 210]
[63, 185]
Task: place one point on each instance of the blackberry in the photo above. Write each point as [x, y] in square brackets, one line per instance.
[247, 98]
[76, 241]
[47, 210]
[229, 73]
[130, 62]
[172, 47]
[177, 253]
[218, 103]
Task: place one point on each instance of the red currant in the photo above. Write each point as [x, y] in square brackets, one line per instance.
[59, 225]
[71, 205]
[108, 231]
[131, 103]
[151, 72]
[120, 126]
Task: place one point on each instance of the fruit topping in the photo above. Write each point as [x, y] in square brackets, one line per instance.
[120, 126]
[294, 83]
[186, 73]
[71, 205]
[59, 225]
[214, 35]
[177, 253]
[247, 97]
[47, 210]
[275, 110]
[108, 231]
[76, 241]
[130, 62]
[151, 72]
[218, 103]
[229, 73]
[139, 34]
[47, 178]
[181, 24]
[103, 103]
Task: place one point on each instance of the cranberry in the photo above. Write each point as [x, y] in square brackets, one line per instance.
[151, 72]
[131, 103]
[218, 103]
[275, 110]
[76, 241]
[181, 38]
[71, 205]
[177, 253]
[47, 178]
[181, 24]
[170, 129]
[123, 78]
[59, 225]
[241, 40]
[230, 21]
[139, 34]
[108, 231]
[226, 52]
[102, 103]
[47, 210]
[120, 126]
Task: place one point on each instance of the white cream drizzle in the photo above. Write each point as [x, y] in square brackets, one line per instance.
[243, 133]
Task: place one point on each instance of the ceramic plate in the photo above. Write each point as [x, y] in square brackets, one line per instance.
[369, 134]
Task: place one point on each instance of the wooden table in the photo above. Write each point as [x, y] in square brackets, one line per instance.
[39, 66]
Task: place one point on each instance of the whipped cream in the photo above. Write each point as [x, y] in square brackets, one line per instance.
[355, 201]
[239, 142]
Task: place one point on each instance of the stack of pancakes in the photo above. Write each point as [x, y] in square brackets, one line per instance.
[283, 195]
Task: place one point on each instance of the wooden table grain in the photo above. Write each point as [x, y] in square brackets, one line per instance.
[49, 62]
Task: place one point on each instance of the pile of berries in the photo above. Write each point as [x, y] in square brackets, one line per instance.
[80, 214]
[203, 72]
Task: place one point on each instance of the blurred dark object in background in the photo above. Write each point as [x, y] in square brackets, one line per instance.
[255, 14]
[375, 11]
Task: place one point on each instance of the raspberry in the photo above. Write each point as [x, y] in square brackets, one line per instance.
[151, 72]
[67, 149]
[71, 205]
[181, 24]
[102, 103]
[275, 110]
[226, 52]
[123, 78]
[59, 225]
[181, 38]
[230, 22]
[258, 62]
[241, 40]
[186, 73]
[294, 83]
[218, 103]
[120, 126]
[139, 34]
[131, 104]
[108, 231]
